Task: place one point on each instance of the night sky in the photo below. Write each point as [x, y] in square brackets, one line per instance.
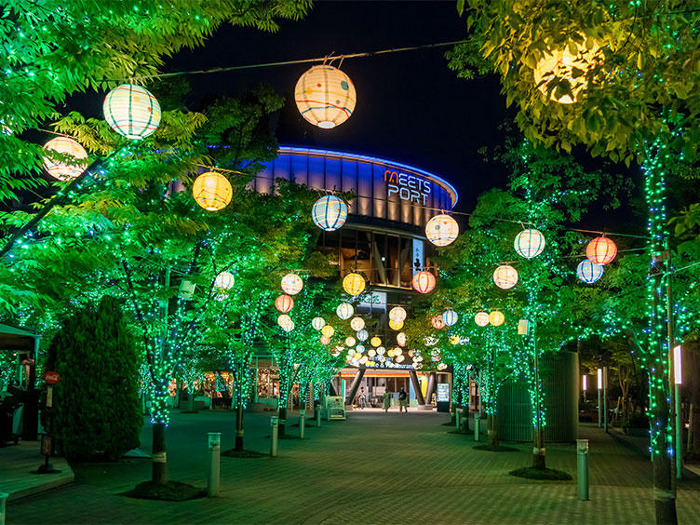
[411, 108]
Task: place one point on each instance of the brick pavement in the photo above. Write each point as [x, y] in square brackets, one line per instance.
[373, 468]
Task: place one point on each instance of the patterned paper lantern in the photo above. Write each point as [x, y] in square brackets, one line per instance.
[496, 318]
[481, 319]
[381, 350]
[362, 335]
[454, 339]
[285, 322]
[601, 250]
[224, 281]
[423, 282]
[400, 359]
[357, 323]
[437, 322]
[354, 283]
[505, 276]
[589, 272]
[325, 96]
[292, 284]
[132, 111]
[401, 339]
[360, 348]
[396, 325]
[529, 243]
[562, 64]
[441, 230]
[212, 191]
[350, 341]
[329, 213]
[450, 317]
[397, 313]
[371, 352]
[318, 322]
[345, 311]
[62, 170]
[325, 340]
[328, 330]
[284, 303]
[375, 341]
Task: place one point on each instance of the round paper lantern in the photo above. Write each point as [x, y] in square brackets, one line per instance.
[362, 335]
[224, 281]
[396, 325]
[284, 303]
[505, 276]
[328, 330]
[212, 191]
[496, 318]
[529, 243]
[292, 284]
[562, 64]
[450, 317]
[349, 341]
[360, 348]
[400, 359]
[357, 323]
[589, 272]
[345, 311]
[401, 339]
[132, 111]
[381, 350]
[437, 322]
[285, 322]
[441, 230]
[601, 250]
[363, 359]
[354, 283]
[62, 170]
[423, 282]
[454, 339]
[398, 351]
[325, 96]
[329, 213]
[391, 353]
[397, 313]
[325, 340]
[481, 319]
[375, 341]
[318, 323]
[372, 352]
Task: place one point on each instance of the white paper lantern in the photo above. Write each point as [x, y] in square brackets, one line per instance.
[450, 317]
[64, 170]
[481, 319]
[132, 111]
[329, 213]
[325, 96]
[285, 322]
[344, 311]
[589, 272]
[397, 314]
[357, 323]
[350, 341]
[318, 322]
[362, 335]
[442, 230]
[360, 348]
[529, 243]
[505, 276]
[212, 191]
[224, 281]
[401, 339]
[292, 284]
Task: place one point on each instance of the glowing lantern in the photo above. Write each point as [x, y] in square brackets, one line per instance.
[212, 191]
[381, 350]
[589, 272]
[360, 348]
[394, 325]
[354, 283]
[328, 331]
[562, 64]
[318, 323]
[285, 322]
[454, 339]
[376, 341]
[401, 339]
[363, 360]
[423, 282]
[224, 281]
[391, 353]
[400, 359]
[481, 319]
[496, 318]
[284, 303]
[292, 284]
[61, 170]
[397, 314]
[398, 351]
[601, 250]
[357, 323]
[430, 340]
[529, 243]
[505, 276]
[450, 317]
[362, 335]
[329, 213]
[437, 322]
[325, 340]
[344, 310]
[372, 352]
[325, 96]
[350, 341]
[441, 230]
[132, 111]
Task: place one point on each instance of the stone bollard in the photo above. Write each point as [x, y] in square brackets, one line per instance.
[214, 464]
[477, 429]
[274, 421]
[582, 468]
[302, 423]
[458, 413]
[318, 416]
[3, 502]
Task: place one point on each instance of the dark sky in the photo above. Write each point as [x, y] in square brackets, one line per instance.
[411, 108]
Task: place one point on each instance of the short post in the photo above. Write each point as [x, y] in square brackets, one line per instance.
[318, 415]
[600, 390]
[302, 422]
[3, 501]
[582, 468]
[274, 421]
[214, 464]
[477, 430]
[458, 412]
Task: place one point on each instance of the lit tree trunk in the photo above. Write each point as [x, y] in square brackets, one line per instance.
[492, 429]
[159, 461]
[240, 414]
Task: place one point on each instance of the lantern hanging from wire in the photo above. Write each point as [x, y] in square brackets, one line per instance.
[325, 340]
[450, 317]
[437, 322]
[505, 276]
[132, 111]
[401, 339]
[397, 313]
[357, 323]
[441, 230]
[329, 213]
[423, 282]
[589, 272]
[325, 96]
[318, 322]
[561, 64]
[328, 330]
[292, 284]
[61, 169]
[362, 335]
[481, 319]
[375, 341]
[284, 303]
[396, 325]
[345, 311]
[212, 191]
[529, 243]
[224, 281]
[285, 322]
[601, 250]
[496, 318]
[354, 283]
[350, 341]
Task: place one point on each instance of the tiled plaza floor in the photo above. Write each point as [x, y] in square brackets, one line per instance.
[372, 468]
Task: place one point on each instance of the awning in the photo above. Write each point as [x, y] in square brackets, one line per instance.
[16, 339]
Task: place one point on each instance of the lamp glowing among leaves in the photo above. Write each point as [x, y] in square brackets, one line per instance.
[437, 322]
[344, 311]
[529, 243]
[60, 169]
[362, 335]
[375, 341]
[224, 281]
[450, 317]
[285, 322]
[357, 323]
[601, 250]
[325, 96]
[589, 272]
[481, 319]
[325, 340]
[441, 230]
[496, 318]
[350, 341]
[560, 65]
[505, 276]
[292, 284]
[318, 322]
[423, 282]
[328, 331]
[329, 213]
[395, 325]
[212, 191]
[132, 111]
[354, 283]
[397, 314]
[401, 339]
[284, 303]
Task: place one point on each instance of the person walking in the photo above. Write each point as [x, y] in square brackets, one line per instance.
[403, 400]
[386, 400]
[363, 398]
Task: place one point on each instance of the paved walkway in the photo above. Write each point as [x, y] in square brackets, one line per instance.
[372, 468]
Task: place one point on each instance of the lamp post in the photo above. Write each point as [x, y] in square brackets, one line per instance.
[584, 385]
[678, 381]
[600, 390]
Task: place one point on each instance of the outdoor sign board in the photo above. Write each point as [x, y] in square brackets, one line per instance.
[443, 397]
[336, 407]
[52, 378]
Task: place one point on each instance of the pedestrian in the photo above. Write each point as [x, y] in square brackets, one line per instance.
[403, 401]
[386, 400]
[363, 398]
